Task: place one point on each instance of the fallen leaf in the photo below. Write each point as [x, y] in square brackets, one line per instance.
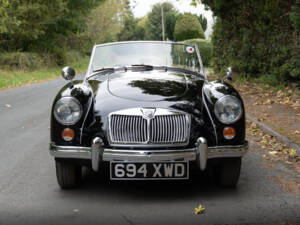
[272, 152]
[199, 210]
[75, 210]
[292, 152]
[8, 105]
[287, 101]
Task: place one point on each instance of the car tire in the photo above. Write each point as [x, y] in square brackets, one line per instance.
[227, 173]
[68, 175]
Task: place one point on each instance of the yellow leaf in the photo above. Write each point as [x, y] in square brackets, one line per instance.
[199, 210]
[287, 101]
[292, 152]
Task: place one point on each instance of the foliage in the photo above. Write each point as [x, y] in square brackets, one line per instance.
[150, 26]
[295, 15]
[141, 31]
[187, 27]
[260, 38]
[155, 23]
[26, 25]
[105, 21]
[203, 22]
[27, 61]
[205, 49]
[23, 60]
[170, 21]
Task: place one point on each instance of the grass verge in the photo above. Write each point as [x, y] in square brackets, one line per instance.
[17, 78]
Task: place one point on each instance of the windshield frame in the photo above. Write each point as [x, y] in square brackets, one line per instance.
[91, 73]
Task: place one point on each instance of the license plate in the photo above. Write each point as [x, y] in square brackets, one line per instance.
[149, 170]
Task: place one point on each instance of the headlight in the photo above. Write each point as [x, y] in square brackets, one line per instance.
[68, 111]
[228, 109]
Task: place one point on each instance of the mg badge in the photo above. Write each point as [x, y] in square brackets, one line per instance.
[148, 113]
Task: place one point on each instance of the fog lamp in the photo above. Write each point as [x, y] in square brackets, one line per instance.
[229, 133]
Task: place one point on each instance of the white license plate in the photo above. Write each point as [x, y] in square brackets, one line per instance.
[149, 170]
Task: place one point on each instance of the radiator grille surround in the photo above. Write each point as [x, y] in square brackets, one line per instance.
[149, 127]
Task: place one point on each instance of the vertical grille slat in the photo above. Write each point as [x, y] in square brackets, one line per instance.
[162, 129]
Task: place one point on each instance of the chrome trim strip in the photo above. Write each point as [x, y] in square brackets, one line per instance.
[210, 117]
[148, 156]
[86, 115]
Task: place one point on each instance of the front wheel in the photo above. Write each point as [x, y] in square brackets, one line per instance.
[227, 173]
[68, 175]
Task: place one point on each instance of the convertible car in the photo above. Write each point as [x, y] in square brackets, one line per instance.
[147, 111]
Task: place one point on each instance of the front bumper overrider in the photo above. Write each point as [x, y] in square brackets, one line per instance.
[97, 153]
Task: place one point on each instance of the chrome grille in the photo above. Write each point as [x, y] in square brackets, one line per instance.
[168, 129]
[165, 128]
[129, 129]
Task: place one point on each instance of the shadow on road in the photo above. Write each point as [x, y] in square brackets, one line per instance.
[199, 185]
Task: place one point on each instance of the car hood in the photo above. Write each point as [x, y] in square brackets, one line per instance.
[147, 86]
[160, 89]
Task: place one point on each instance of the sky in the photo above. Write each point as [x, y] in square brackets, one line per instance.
[142, 7]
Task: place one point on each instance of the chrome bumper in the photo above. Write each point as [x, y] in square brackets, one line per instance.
[96, 153]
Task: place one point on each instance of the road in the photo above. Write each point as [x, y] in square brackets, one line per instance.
[29, 193]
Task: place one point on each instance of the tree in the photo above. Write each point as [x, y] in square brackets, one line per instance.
[155, 21]
[27, 23]
[203, 22]
[260, 38]
[170, 21]
[128, 31]
[107, 20]
[187, 27]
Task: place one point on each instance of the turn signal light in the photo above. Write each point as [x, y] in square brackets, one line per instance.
[68, 134]
[229, 133]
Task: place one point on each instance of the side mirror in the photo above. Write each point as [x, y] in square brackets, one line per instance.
[231, 74]
[68, 73]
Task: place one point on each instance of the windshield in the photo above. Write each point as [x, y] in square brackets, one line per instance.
[145, 53]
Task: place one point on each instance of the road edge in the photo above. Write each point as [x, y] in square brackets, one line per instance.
[289, 143]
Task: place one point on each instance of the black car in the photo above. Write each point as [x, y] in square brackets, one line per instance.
[147, 110]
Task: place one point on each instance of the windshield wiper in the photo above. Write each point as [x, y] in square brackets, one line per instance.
[143, 66]
[150, 67]
[104, 69]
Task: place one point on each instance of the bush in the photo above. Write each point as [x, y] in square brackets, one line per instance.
[60, 56]
[187, 27]
[260, 38]
[28, 61]
[23, 60]
[205, 47]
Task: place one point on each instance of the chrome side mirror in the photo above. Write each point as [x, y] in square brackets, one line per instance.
[231, 74]
[68, 73]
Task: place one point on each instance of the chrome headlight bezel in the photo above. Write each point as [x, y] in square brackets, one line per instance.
[225, 101]
[68, 102]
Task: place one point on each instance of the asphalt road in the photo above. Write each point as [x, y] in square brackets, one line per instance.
[29, 193]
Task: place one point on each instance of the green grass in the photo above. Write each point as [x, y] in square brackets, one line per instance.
[17, 78]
